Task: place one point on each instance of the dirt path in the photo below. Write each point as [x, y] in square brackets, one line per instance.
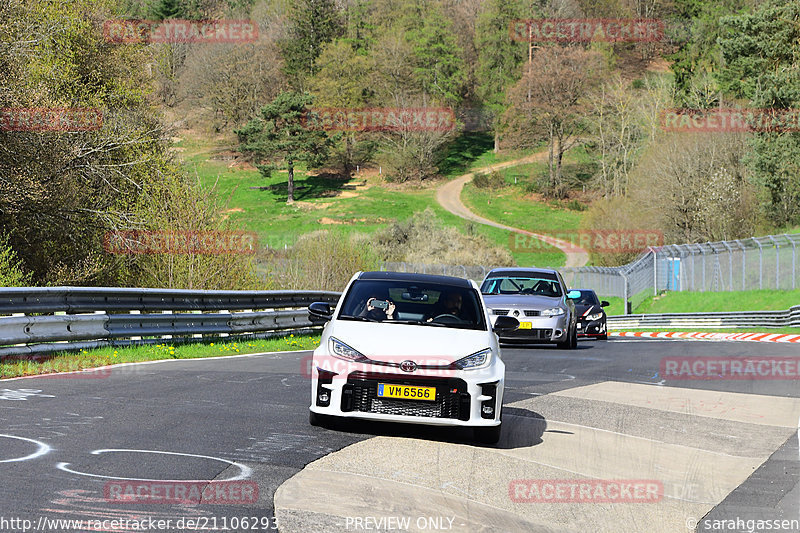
[449, 197]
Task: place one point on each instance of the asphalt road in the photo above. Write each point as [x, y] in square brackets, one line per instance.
[600, 408]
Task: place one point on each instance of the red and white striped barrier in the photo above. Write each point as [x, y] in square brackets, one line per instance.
[753, 337]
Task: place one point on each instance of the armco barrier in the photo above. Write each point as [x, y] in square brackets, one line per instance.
[54, 319]
[743, 319]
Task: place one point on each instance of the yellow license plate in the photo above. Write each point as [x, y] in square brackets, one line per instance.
[406, 392]
[525, 325]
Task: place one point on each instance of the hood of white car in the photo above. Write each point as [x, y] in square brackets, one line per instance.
[521, 301]
[397, 342]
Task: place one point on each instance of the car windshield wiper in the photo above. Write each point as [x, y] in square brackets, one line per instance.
[362, 318]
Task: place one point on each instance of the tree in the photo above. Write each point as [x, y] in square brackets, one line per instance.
[552, 96]
[169, 9]
[345, 80]
[499, 57]
[314, 23]
[438, 63]
[230, 84]
[280, 137]
[760, 53]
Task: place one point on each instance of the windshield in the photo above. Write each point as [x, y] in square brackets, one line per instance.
[425, 304]
[587, 298]
[532, 285]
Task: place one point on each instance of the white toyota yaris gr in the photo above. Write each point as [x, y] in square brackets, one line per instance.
[410, 348]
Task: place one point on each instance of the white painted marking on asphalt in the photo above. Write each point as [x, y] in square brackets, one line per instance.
[244, 471]
[43, 449]
[21, 394]
[196, 360]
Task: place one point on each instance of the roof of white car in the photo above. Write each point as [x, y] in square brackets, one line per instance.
[419, 278]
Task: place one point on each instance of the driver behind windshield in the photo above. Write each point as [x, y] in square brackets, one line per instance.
[449, 304]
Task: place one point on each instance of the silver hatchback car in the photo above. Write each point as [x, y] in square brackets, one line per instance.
[539, 299]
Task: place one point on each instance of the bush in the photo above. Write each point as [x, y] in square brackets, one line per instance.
[11, 273]
[575, 205]
[324, 260]
[425, 239]
[489, 181]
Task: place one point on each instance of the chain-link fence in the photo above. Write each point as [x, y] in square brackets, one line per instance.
[744, 264]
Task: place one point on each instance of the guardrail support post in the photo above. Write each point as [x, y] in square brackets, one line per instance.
[777, 262]
[624, 292]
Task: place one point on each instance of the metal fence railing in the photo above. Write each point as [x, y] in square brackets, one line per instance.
[36, 320]
[744, 319]
[744, 264]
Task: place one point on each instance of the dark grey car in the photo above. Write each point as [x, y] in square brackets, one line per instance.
[538, 298]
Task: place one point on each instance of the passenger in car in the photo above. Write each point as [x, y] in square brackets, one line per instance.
[379, 307]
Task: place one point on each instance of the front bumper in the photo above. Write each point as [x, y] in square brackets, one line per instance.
[542, 329]
[592, 328]
[463, 397]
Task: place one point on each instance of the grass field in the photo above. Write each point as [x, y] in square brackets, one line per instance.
[698, 302]
[363, 204]
[72, 361]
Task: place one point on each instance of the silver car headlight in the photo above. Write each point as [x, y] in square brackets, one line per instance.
[343, 351]
[476, 360]
[553, 311]
[596, 316]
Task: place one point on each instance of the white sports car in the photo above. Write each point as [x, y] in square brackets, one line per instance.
[410, 348]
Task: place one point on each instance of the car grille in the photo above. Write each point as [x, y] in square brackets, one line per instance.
[528, 312]
[531, 334]
[361, 394]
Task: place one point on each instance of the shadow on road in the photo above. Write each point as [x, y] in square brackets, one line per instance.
[521, 429]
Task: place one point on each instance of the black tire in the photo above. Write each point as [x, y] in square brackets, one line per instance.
[490, 435]
[571, 342]
[603, 337]
[318, 420]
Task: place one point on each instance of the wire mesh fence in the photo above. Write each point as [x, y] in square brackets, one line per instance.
[744, 264]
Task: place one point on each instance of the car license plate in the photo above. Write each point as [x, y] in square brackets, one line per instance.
[525, 325]
[406, 392]
[579, 325]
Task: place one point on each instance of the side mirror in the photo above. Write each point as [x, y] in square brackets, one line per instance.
[574, 295]
[505, 324]
[319, 312]
[604, 304]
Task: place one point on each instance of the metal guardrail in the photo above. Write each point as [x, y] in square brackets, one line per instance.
[53, 319]
[744, 319]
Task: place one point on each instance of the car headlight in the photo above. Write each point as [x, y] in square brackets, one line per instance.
[475, 360]
[553, 311]
[596, 316]
[343, 351]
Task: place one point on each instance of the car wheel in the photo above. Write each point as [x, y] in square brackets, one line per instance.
[318, 420]
[571, 342]
[603, 337]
